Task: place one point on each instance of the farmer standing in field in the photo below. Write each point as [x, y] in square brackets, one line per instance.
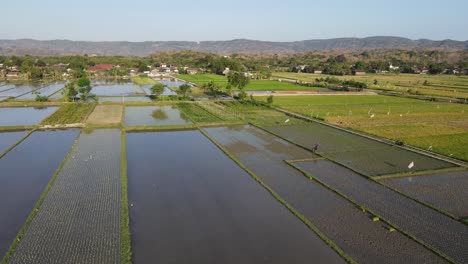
[314, 149]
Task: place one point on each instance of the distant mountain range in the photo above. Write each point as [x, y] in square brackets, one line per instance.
[123, 48]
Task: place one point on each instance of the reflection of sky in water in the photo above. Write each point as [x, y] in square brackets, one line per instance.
[116, 90]
[24, 116]
[149, 116]
[45, 91]
[167, 91]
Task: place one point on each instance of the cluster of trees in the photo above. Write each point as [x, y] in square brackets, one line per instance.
[79, 90]
[183, 91]
[329, 62]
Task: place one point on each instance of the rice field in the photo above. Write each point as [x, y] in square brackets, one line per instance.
[167, 115]
[198, 114]
[437, 85]
[45, 91]
[20, 89]
[343, 223]
[440, 127]
[248, 187]
[444, 190]
[8, 139]
[106, 115]
[201, 192]
[24, 116]
[437, 231]
[254, 85]
[69, 114]
[79, 220]
[25, 172]
[117, 90]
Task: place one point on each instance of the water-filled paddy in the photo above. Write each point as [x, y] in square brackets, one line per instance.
[123, 99]
[154, 116]
[124, 89]
[25, 172]
[167, 91]
[427, 225]
[192, 198]
[367, 156]
[20, 89]
[6, 87]
[447, 191]
[45, 91]
[342, 222]
[79, 220]
[24, 116]
[7, 139]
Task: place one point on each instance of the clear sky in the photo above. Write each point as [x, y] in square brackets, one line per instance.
[274, 20]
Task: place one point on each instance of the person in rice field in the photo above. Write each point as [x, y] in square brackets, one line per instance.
[315, 148]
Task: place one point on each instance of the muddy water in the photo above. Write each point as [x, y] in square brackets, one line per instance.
[24, 116]
[351, 229]
[154, 116]
[24, 173]
[447, 191]
[190, 203]
[427, 225]
[7, 139]
[361, 154]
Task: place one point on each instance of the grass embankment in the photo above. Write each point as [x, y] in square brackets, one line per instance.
[142, 80]
[125, 239]
[71, 113]
[31, 216]
[254, 85]
[441, 127]
[436, 85]
[197, 114]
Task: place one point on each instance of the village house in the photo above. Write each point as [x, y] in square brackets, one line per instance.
[100, 67]
[13, 75]
[192, 71]
[359, 73]
[317, 72]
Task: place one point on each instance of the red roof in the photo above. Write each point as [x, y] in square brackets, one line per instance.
[100, 67]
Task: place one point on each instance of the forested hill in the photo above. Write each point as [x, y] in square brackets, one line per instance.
[66, 47]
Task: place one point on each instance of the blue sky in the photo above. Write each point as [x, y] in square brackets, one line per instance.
[140, 20]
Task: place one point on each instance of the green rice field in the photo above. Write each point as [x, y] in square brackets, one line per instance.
[440, 127]
[436, 85]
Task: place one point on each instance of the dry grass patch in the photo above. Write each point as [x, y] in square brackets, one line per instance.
[106, 115]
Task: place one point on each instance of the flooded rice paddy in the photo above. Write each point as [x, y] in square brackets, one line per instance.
[192, 198]
[366, 156]
[45, 91]
[8, 139]
[123, 99]
[24, 116]
[446, 191]
[126, 89]
[434, 229]
[79, 220]
[25, 171]
[20, 89]
[166, 92]
[154, 116]
[342, 222]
